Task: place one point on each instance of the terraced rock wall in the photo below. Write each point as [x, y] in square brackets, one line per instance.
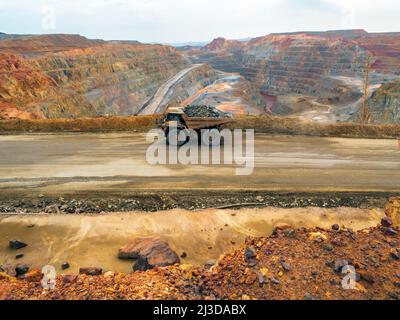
[288, 64]
[384, 104]
[110, 78]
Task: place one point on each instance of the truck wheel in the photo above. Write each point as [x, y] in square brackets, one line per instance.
[174, 138]
[211, 139]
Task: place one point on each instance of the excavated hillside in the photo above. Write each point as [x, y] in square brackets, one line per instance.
[285, 63]
[61, 76]
[384, 103]
[64, 76]
[328, 67]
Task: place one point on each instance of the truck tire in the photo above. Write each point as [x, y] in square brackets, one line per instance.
[174, 135]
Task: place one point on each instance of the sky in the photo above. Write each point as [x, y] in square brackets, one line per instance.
[179, 21]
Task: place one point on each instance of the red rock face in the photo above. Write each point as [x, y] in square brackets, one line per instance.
[63, 76]
[385, 49]
[327, 66]
[20, 84]
[306, 56]
[222, 43]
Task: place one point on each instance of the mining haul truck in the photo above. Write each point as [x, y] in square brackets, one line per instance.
[197, 118]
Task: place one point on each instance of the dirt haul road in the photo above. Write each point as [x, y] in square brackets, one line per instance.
[66, 163]
[153, 105]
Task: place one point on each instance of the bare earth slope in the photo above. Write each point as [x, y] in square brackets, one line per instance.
[88, 79]
[303, 264]
[318, 66]
[62, 76]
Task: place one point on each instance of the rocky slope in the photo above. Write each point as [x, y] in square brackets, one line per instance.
[292, 264]
[384, 103]
[63, 76]
[71, 76]
[308, 63]
[312, 75]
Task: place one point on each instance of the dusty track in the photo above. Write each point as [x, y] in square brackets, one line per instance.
[153, 105]
[117, 163]
[109, 172]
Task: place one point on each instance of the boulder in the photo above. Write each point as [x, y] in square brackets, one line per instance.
[150, 252]
[21, 269]
[70, 278]
[392, 211]
[16, 244]
[91, 271]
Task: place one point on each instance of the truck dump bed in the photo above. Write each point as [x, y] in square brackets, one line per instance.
[205, 122]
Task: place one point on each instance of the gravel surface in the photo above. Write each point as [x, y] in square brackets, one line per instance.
[298, 264]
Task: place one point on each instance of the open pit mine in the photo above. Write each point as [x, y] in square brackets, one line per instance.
[318, 76]
[313, 75]
[85, 215]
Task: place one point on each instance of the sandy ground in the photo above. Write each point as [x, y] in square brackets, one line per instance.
[204, 235]
[117, 162]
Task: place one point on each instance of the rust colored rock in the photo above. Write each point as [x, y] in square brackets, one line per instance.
[91, 271]
[34, 275]
[151, 252]
[30, 87]
[69, 278]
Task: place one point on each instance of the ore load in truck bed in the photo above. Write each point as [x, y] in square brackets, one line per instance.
[195, 111]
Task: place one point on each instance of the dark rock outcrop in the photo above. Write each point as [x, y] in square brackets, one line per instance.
[384, 103]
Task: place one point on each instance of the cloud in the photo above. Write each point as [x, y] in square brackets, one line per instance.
[196, 20]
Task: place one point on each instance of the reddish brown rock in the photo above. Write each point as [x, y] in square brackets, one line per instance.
[34, 275]
[91, 271]
[41, 80]
[150, 252]
[70, 278]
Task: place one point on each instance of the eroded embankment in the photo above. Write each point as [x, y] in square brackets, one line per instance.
[204, 235]
[261, 124]
[291, 264]
[151, 201]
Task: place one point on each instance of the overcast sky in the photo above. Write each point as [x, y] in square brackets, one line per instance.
[194, 20]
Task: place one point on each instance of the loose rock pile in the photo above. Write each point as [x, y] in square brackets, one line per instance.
[204, 112]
